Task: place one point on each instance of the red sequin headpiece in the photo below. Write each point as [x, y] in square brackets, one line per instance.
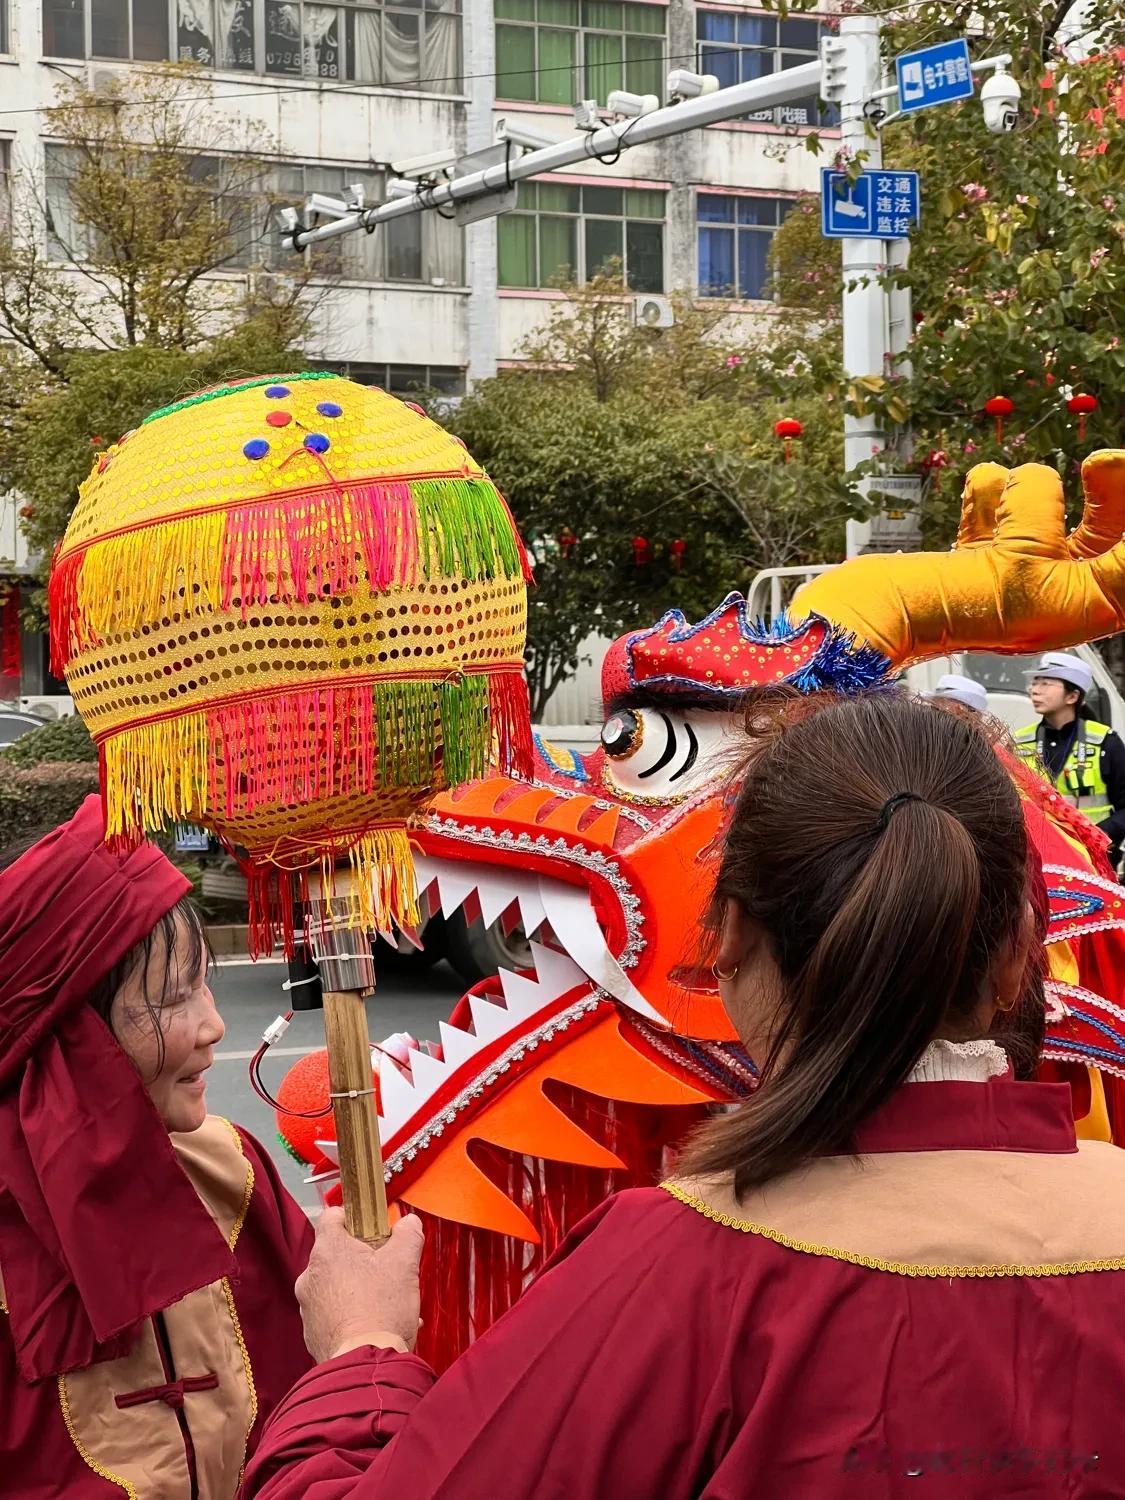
[727, 655]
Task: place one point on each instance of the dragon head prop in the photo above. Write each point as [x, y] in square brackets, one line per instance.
[548, 1087]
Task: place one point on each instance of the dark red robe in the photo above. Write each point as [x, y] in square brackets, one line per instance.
[944, 1315]
[176, 1417]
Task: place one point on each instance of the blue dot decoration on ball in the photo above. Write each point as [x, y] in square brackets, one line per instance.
[316, 442]
[277, 392]
[329, 409]
[256, 448]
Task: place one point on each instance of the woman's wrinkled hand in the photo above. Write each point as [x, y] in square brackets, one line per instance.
[352, 1294]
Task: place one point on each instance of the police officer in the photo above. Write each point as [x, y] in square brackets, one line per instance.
[1083, 759]
[964, 690]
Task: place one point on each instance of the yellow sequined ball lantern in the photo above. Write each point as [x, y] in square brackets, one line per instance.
[288, 609]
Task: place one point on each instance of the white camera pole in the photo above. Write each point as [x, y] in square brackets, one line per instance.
[604, 143]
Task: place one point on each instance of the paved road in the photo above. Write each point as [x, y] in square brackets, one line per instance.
[250, 996]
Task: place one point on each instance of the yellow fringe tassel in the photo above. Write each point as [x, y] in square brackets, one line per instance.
[377, 888]
[155, 775]
[167, 572]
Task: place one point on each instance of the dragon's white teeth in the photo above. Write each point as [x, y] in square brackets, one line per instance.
[576, 926]
[396, 1093]
[523, 995]
[489, 1021]
[532, 913]
[455, 885]
[331, 1151]
[427, 1072]
[457, 1046]
[496, 895]
[556, 972]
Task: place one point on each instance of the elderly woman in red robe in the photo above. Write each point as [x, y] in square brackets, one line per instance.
[892, 1263]
[147, 1249]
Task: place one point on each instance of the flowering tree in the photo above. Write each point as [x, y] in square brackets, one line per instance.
[1017, 269]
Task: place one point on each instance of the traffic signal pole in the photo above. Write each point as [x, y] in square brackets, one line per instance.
[865, 314]
[602, 144]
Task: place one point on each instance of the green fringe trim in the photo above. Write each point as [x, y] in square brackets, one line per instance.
[290, 1151]
[470, 530]
[228, 390]
[416, 722]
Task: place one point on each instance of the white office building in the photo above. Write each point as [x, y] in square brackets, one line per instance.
[346, 91]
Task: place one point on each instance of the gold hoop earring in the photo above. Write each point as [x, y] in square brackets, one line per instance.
[724, 978]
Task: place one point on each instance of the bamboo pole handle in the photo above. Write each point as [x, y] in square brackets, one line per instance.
[357, 1123]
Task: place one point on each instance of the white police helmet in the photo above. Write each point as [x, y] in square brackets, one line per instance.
[961, 690]
[1061, 666]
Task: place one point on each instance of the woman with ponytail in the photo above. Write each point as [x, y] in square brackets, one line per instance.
[892, 1262]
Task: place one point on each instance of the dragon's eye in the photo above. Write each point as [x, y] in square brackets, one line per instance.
[656, 754]
[622, 734]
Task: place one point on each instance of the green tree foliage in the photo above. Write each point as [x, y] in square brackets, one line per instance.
[61, 740]
[51, 442]
[109, 302]
[1017, 269]
[618, 443]
[34, 800]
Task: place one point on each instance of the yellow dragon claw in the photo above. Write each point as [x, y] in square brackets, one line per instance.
[1014, 582]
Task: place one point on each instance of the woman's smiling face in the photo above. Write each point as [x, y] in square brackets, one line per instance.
[171, 1041]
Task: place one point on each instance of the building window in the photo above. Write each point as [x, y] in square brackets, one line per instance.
[561, 232]
[423, 247]
[5, 185]
[3, 25]
[557, 51]
[413, 44]
[403, 380]
[734, 243]
[738, 48]
[132, 30]
[216, 33]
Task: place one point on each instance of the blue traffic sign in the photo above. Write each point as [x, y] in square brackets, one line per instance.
[872, 206]
[934, 75]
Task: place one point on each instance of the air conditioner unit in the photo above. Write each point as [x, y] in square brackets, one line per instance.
[49, 706]
[100, 79]
[653, 312]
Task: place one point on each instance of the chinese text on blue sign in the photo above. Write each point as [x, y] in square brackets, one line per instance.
[874, 205]
[934, 75]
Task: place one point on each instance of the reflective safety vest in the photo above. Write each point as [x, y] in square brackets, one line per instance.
[1080, 780]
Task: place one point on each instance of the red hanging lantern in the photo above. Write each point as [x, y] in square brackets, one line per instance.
[999, 407]
[642, 552]
[787, 428]
[676, 550]
[1081, 405]
[567, 543]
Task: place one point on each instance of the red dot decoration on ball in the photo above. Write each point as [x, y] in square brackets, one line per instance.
[278, 418]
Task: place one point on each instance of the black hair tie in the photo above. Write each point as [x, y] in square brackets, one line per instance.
[894, 802]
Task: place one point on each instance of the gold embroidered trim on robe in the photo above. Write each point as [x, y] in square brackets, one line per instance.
[939, 1213]
[141, 1449]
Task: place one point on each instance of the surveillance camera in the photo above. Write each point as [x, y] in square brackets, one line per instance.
[402, 187]
[321, 206]
[523, 135]
[289, 220]
[629, 106]
[1000, 99]
[430, 165]
[587, 115]
[683, 84]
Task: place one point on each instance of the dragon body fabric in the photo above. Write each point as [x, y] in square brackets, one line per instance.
[547, 1089]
